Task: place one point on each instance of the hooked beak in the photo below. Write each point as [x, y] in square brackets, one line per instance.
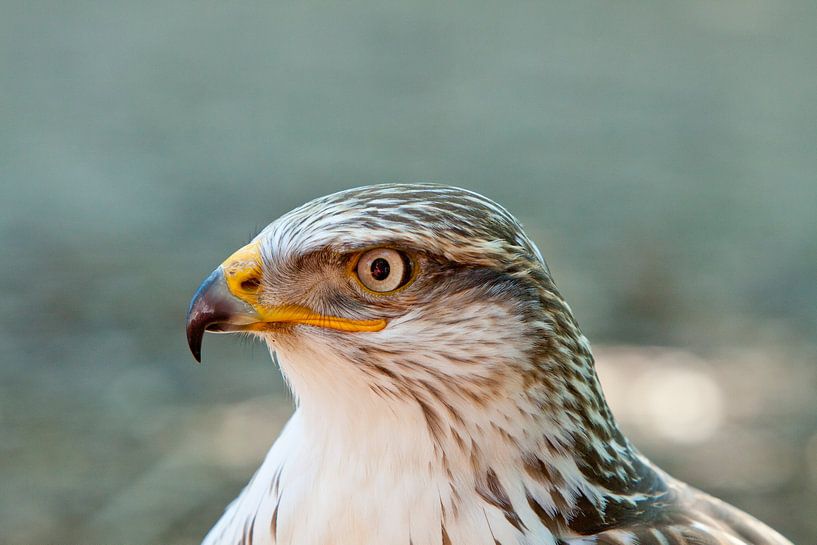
[214, 308]
[227, 301]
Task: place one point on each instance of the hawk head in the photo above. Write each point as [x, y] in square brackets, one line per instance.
[394, 290]
[423, 316]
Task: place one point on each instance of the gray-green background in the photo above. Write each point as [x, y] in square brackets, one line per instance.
[662, 154]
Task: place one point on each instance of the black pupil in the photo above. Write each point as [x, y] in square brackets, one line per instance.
[380, 269]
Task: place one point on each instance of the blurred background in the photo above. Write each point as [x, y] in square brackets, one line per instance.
[662, 154]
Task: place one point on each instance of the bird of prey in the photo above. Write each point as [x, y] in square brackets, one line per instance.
[445, 393]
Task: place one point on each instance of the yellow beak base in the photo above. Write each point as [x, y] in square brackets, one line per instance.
[227, 301]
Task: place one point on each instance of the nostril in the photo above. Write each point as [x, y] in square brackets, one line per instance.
[250, 284]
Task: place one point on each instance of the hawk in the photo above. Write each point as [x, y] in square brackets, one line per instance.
[445, 393]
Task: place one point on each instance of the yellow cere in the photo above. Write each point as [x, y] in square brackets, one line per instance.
[242, 273]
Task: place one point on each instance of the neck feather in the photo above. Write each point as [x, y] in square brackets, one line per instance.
[544, 441]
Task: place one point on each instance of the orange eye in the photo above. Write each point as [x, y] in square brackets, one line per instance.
[383, 269]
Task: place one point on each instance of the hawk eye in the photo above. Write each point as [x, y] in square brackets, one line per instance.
[383, 269]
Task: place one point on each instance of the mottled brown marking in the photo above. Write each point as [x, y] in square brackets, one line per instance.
[433, 422]
[492, 491]
[543, 473]
[446, 539]
[546, 518]
[274, 522]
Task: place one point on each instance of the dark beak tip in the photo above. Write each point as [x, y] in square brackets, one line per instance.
[194, 342]
[195, 335]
